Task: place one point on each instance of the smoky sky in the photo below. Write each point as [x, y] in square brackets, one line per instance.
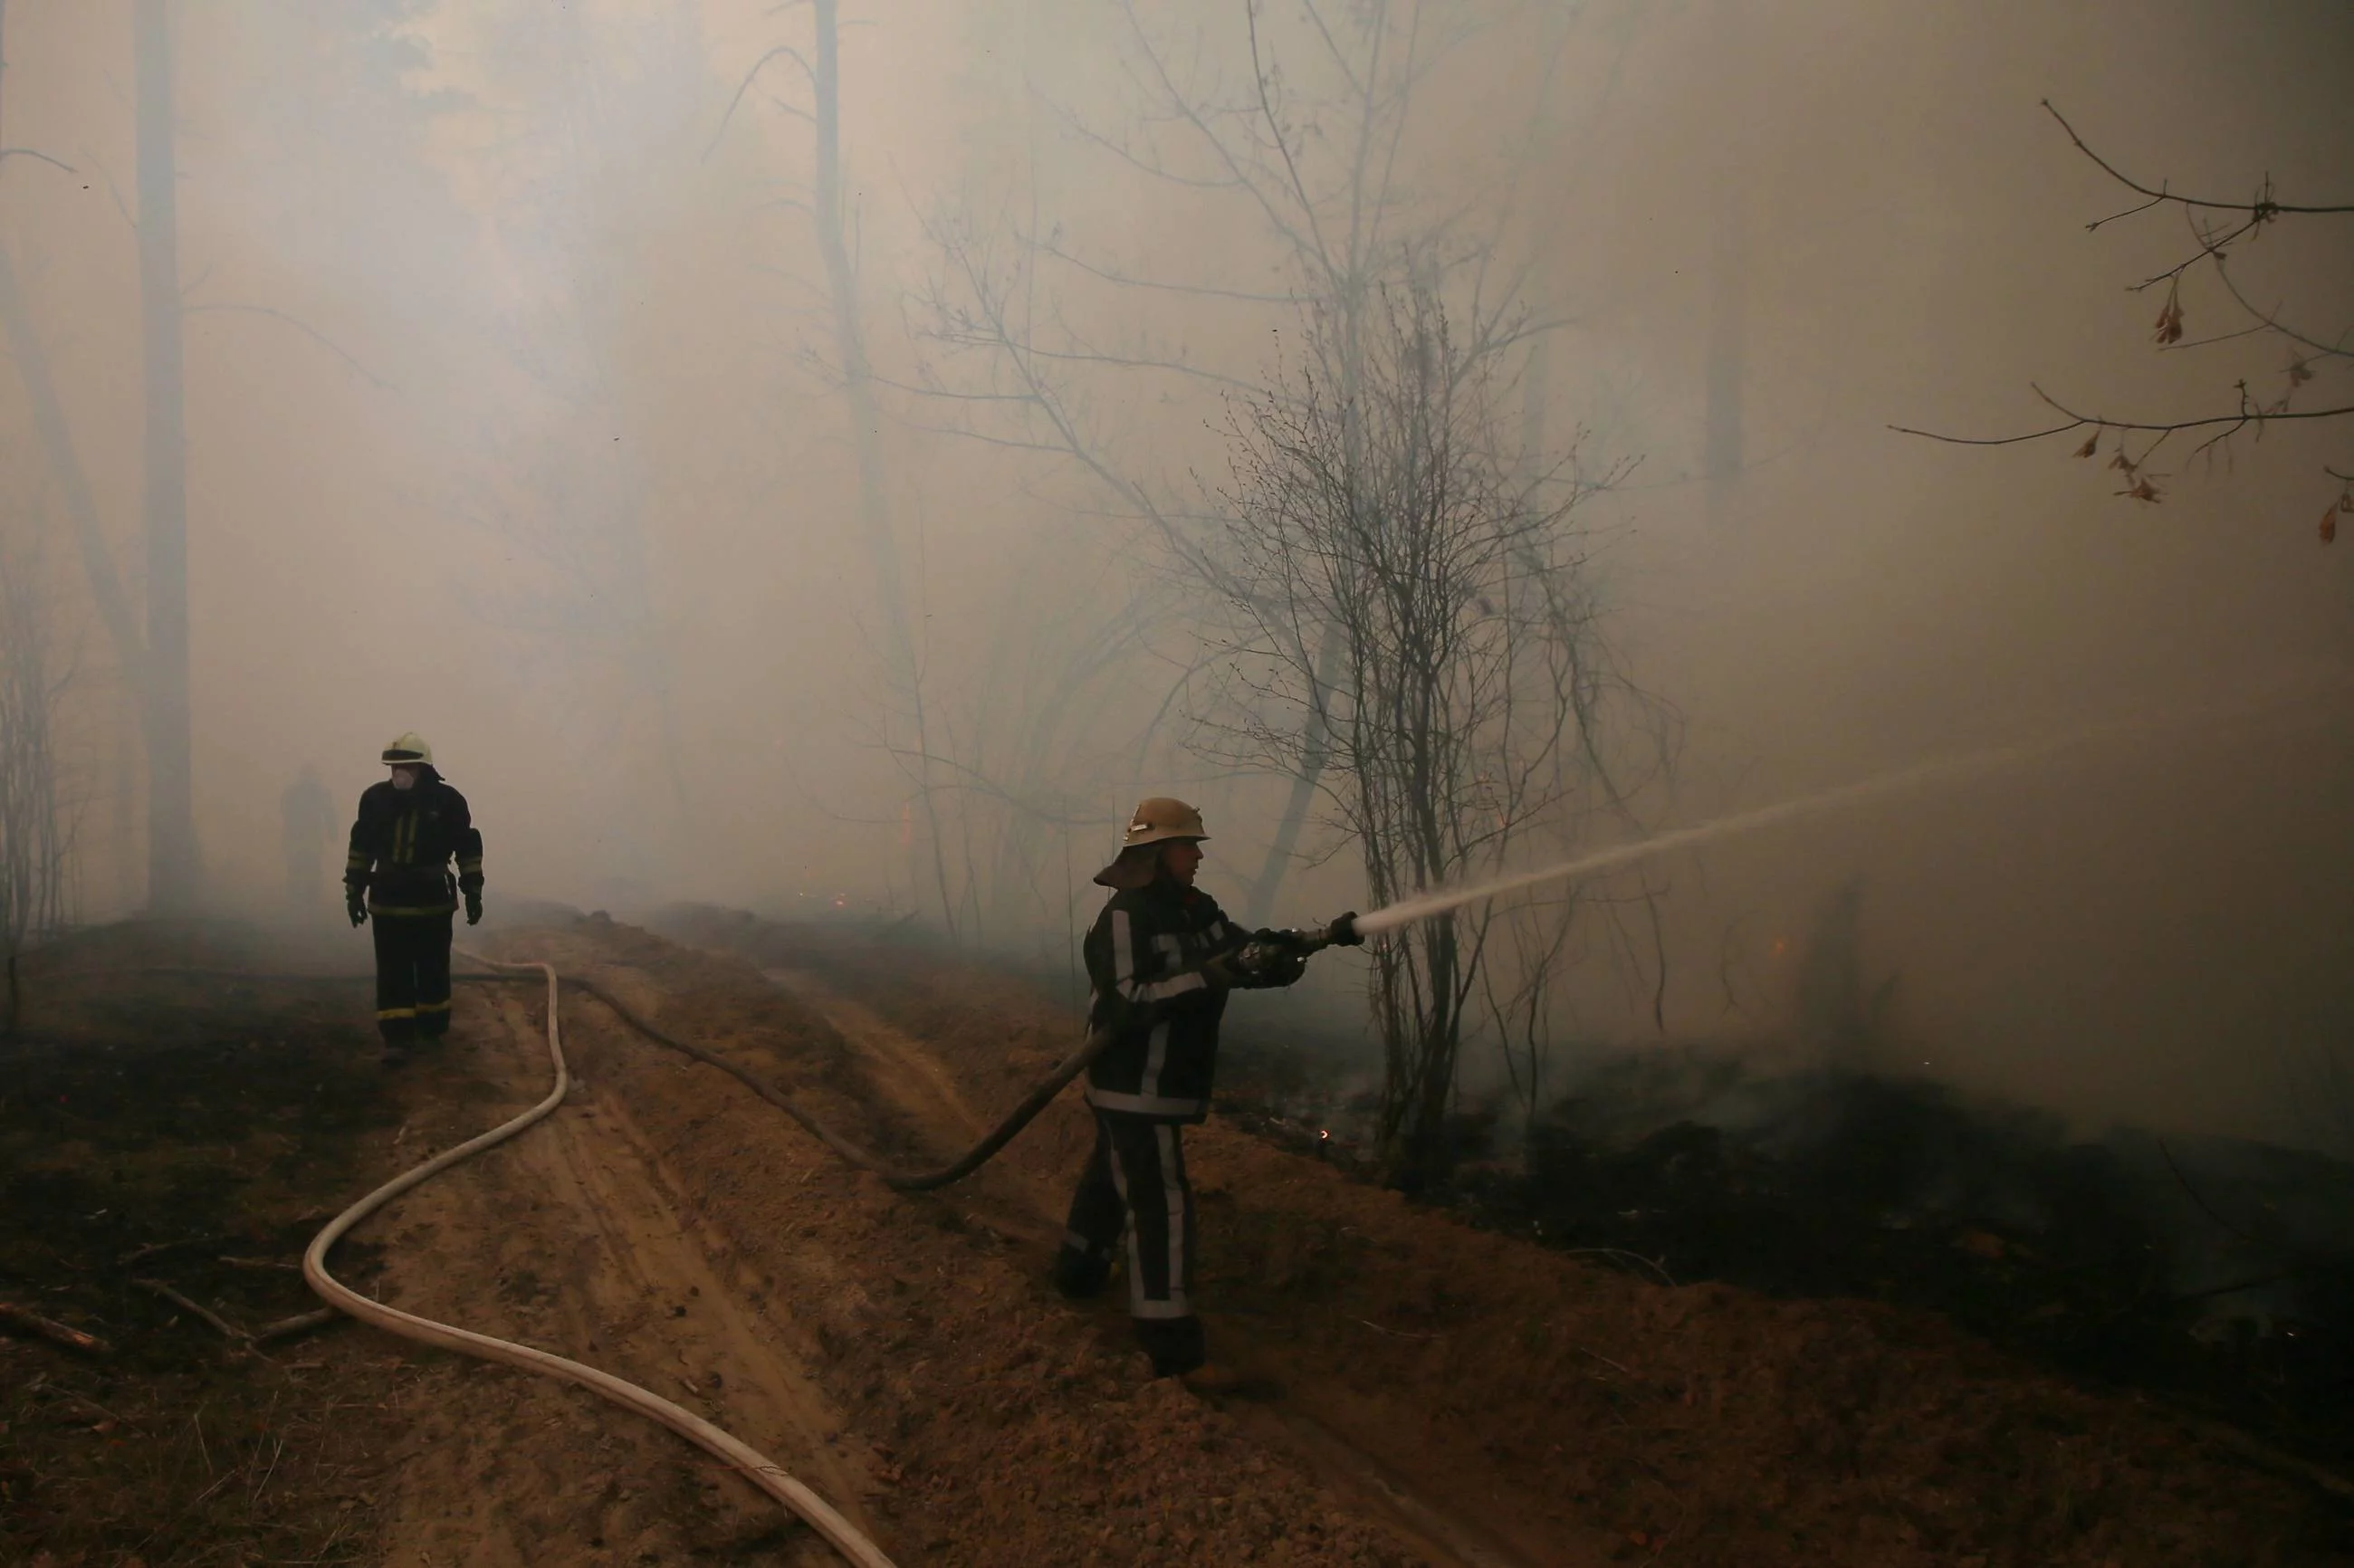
[515, 417]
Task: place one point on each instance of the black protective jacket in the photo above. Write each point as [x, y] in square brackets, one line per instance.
[1146, 956]
[403, 842]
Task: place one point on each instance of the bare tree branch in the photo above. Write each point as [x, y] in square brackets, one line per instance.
[305, 328]
[2246, 416]
[782, 51]
[37, 156]
[2260, 207]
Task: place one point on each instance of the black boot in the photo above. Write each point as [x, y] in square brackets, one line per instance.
[1079, 1276]
[1175, 1344]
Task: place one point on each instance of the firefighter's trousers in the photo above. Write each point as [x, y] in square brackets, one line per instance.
[412, 976]
[1134, 1189]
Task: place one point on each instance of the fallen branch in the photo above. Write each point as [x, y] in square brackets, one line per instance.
[1392, 1333]
[301, 1323]
[55, 1332]
[153, 1248]
[228, 1330]
[44, 1389]
[2275, 1459]
[1607, 1362]
[261, 1263]
[1622, 1255]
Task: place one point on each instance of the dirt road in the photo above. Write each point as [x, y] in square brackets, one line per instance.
[1425, 1392]
[576, 1240]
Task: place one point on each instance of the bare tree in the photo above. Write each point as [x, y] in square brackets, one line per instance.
[171, 867]
[1306, 133]
[2318, 1084]
[69, 479]
[2219, 231]
[848, 365]
[153, 657]
[1408, 578]
[34, 843]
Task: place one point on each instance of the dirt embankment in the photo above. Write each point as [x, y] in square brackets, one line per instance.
[1700, 1425]
[997, 1425]
[1426, 1393]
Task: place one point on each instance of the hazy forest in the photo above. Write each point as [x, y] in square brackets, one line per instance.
[1832, 508]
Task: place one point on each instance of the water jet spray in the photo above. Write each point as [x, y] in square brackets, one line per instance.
[1939, 772]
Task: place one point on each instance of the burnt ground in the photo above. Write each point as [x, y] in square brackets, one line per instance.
[1426, 1389]
[2217, 1274]
[191, 1134]
[1897, 1331]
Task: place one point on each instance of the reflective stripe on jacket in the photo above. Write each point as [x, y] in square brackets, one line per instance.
[1145, 955]
[402, 844]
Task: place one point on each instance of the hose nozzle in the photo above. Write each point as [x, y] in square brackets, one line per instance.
[1341, 933]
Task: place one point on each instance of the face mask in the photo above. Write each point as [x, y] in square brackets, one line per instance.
[403, 778]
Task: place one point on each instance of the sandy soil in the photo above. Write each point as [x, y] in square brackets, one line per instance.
[1422, 1392]
[576, 1241]
[1566, 1411]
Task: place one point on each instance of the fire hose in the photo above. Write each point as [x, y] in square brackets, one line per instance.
[761, 1471]
[1264, 950]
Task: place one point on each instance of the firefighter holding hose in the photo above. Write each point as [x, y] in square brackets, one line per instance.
[409, 829]
[1162, 958]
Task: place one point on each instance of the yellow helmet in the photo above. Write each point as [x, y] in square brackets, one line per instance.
[1158, 820]
[407, 748]
[1161, 819]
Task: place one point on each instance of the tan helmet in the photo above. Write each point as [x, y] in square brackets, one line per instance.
[407, 748]
[1158, 820]
[1161, 819]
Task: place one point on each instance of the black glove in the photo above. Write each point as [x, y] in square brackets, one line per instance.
[1343, 932]
[356, 905]
[474, 907]
[1284, 968]
[1267, 959]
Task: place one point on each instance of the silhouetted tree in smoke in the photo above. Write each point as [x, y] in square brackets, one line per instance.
[594, 112]
[1838, 1012]
[1402, 574]
[852, 370]
[172, 864]
[36, 843]
[153, 657]
[1305, 127]
[70, 480]
[2220, 231]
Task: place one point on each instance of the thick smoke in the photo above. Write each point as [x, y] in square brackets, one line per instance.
[519, 414]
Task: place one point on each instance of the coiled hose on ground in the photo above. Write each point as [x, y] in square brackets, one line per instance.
[761, 1471]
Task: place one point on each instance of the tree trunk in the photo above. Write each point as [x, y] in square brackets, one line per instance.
[866, 422]
[24, 346]
[1722, 438]
[1314, 749]
[1722, 443]
[1315, 741]
[106, 590]
[171, 817]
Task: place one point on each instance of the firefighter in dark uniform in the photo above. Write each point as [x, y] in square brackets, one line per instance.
[1161, 958]
[409, 829]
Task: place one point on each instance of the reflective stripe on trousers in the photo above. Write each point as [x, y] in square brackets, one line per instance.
[1135, 1183]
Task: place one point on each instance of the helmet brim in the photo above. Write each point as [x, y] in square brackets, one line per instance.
[1132, 868]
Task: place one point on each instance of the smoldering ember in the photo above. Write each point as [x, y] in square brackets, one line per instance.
[1490, 783]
